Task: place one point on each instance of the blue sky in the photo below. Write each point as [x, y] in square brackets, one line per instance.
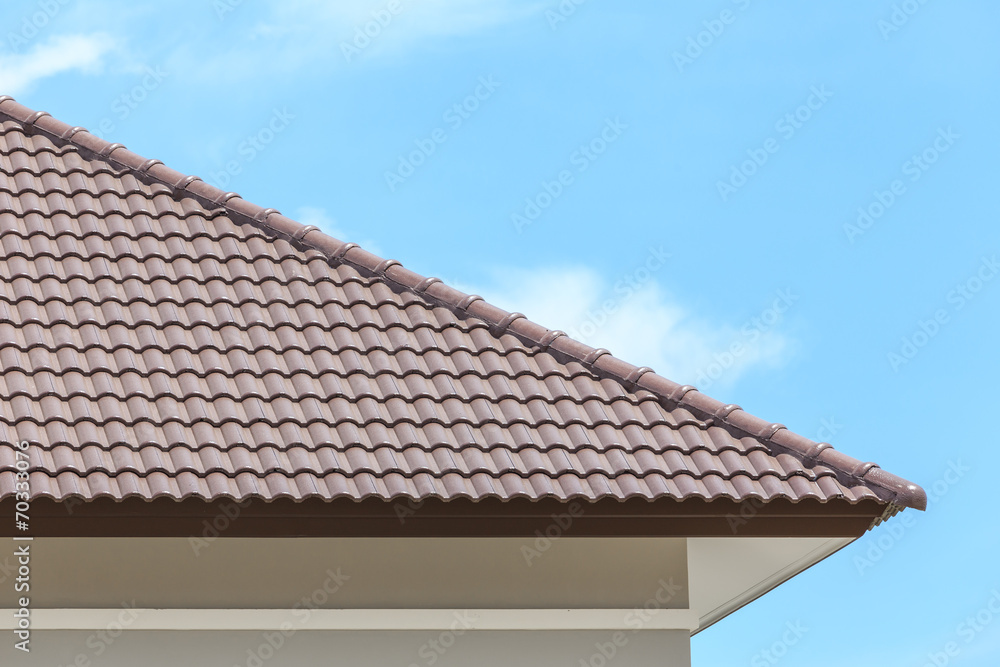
[786, 204]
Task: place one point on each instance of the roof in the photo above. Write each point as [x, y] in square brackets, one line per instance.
[161, 338]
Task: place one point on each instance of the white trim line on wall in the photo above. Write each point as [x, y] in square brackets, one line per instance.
[356, 619]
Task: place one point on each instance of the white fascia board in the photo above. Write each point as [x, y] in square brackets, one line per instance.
[355, 619]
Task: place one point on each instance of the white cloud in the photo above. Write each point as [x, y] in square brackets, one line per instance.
[19, 72]
[291, 36]
[640, 322]
[312, 215]
[420, 23]
[414, 18]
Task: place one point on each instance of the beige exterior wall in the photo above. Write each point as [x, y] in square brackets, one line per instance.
[366, 573]
[357, 649]
[355, 573]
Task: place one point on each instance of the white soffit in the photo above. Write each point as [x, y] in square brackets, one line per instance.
[726, 573]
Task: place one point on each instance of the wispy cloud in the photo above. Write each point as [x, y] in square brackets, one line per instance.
[642, 324]
[292, 36]
[19, 72]
[415, 19]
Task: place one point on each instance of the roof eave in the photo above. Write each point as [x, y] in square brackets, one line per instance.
[460, 517]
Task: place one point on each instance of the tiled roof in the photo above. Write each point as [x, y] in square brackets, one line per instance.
[162, 338]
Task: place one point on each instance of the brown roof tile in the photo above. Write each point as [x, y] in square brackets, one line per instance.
[159, 337]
